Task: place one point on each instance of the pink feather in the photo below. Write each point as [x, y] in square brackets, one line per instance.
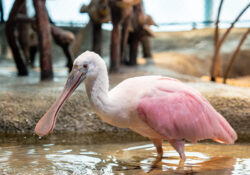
[180, 112]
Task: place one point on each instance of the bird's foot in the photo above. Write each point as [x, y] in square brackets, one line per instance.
[155, 164]
[180, 167]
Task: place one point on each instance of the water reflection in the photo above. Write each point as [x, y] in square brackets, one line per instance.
[215, 165]
[125, 158]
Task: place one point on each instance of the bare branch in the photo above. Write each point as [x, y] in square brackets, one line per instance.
[12, 40]
[215, 61]
[234, 56]
[218, 46]
[216, 34]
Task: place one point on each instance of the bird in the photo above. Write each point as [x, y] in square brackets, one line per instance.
[157, 107]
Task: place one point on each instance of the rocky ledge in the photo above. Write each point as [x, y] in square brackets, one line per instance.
[23, 103]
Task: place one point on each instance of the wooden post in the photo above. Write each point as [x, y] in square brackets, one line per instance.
[10, 35]
[44, 37]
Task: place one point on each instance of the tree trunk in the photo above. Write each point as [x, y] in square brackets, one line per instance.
[97, 37]
[1, 12]
[68, 54]
[32, 53]
[23, 33]
[44, 37]
[146, 47]
[124, 38]
[133, 49]
[10, 35]
[116, 18]
[115, 49]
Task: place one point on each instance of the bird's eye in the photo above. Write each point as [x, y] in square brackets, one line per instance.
[85, 66]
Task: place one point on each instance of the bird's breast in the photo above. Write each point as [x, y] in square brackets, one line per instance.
[115, 118]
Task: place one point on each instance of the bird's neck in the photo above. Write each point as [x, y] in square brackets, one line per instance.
[104, 104]
[97, 91]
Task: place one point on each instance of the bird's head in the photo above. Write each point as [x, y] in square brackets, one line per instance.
[86, 66]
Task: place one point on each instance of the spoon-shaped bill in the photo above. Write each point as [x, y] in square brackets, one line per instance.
[47, 123]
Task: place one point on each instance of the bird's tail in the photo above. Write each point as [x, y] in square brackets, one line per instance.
[225, 133]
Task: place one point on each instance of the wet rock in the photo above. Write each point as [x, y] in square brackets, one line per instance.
[20, 110]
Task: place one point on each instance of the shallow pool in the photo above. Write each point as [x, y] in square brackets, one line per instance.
[63, 156]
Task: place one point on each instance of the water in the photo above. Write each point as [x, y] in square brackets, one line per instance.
[22, 155]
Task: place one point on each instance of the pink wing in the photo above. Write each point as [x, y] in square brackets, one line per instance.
[185, 115]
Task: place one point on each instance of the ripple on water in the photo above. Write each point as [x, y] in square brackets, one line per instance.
[122, 158]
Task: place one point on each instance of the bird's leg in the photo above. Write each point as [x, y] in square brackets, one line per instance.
[158, 145]
[179, 147]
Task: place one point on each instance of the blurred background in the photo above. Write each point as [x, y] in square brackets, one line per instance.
[182, 27]
[198, 13]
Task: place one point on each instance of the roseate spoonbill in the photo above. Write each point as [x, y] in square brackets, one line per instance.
[156, 107]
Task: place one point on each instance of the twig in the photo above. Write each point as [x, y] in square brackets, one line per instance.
[216, 61]
[234, 56]
[220, 42]
[216, 34]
